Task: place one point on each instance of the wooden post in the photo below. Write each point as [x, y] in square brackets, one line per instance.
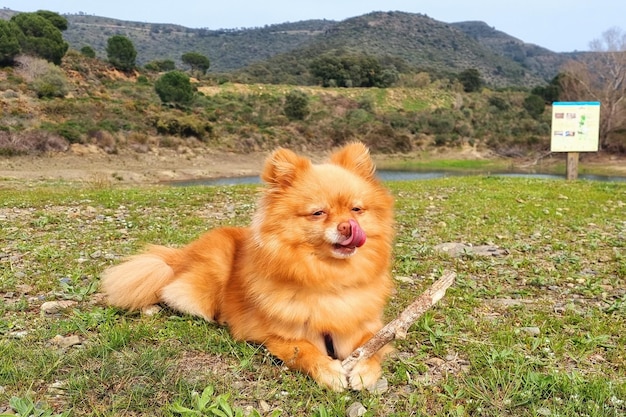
[571, 167]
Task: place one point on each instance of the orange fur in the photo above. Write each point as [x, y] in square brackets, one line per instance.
[286, 281]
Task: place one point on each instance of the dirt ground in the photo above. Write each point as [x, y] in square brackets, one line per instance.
[91, 164]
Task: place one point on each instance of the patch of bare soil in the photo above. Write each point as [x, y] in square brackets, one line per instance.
[90, 164]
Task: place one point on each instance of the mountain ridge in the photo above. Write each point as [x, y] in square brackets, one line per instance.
[418, 40]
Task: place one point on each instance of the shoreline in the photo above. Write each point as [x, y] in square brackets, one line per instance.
[91, 165]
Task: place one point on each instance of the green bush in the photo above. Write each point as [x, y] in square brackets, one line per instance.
[296, 105]
[175, 87]
[88, 51]
[534, 105]
[72, 130]
[161, 65]
[51, 84]
[184, 126]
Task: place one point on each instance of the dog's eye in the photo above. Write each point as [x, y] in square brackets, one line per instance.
[318, 213]
[356, 209]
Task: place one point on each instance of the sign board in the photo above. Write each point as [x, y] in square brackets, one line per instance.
[575, 126]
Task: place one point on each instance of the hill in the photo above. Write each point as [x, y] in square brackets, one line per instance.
[414, 40]
[419, 42]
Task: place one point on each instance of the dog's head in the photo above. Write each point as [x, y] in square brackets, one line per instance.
[333, 211]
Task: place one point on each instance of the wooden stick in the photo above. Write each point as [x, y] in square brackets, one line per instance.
[397, 328]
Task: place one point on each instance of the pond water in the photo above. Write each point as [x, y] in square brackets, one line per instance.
[392, 175]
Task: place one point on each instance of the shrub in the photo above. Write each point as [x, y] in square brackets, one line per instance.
[296, 105]
[175, 87]
[51, 84]
[499, 103]
[88, 51]
[471, 80]
[185, 126]
[534, 105]
[36, 141]
[161, 65]
[46, 79]
[72, 130]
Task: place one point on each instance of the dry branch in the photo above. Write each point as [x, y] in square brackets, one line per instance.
[397, 328]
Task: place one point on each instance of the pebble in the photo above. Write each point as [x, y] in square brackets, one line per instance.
[356, 410]
[65, 342]
[57, 388]
[54, 307]
[264, 406]
[533, 331]
[380, 387]
[406, 280]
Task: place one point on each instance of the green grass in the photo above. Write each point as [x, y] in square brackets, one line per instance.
[447, 165]
[477, 353]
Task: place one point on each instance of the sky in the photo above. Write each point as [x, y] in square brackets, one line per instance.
[559, 25]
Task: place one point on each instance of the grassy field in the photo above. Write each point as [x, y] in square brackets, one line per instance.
[538, 331]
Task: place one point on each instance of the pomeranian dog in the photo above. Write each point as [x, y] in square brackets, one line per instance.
[308, 279]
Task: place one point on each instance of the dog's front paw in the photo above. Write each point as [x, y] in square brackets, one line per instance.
[365, 375]
[332, 375]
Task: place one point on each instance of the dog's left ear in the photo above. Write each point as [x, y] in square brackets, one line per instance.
[355, 157]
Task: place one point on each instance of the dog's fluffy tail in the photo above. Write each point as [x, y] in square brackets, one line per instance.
[139, 281]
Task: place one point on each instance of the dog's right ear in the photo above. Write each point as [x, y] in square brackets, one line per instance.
[282, 167]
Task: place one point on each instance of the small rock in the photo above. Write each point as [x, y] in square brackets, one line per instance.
[533, 331]
[20, 334]
[435, 362]
[406, 280]
[451, 357]
[65, 342]
[57, 388]
[54, 307]
[356, 410]
[456, 249]
[264, 406]
[380, 387]
[24, 288]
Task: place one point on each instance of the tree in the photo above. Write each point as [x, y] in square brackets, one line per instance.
[197, 62]
[174, 87]
[471, 80]
[600, 76]
[551, 92]
[40, 37]
[9, 44]
[355, 70]
[121, 52]
[56, 19]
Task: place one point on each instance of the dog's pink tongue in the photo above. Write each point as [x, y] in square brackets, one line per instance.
[357, 236]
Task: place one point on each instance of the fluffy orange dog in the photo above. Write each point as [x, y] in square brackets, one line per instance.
[309, 278]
